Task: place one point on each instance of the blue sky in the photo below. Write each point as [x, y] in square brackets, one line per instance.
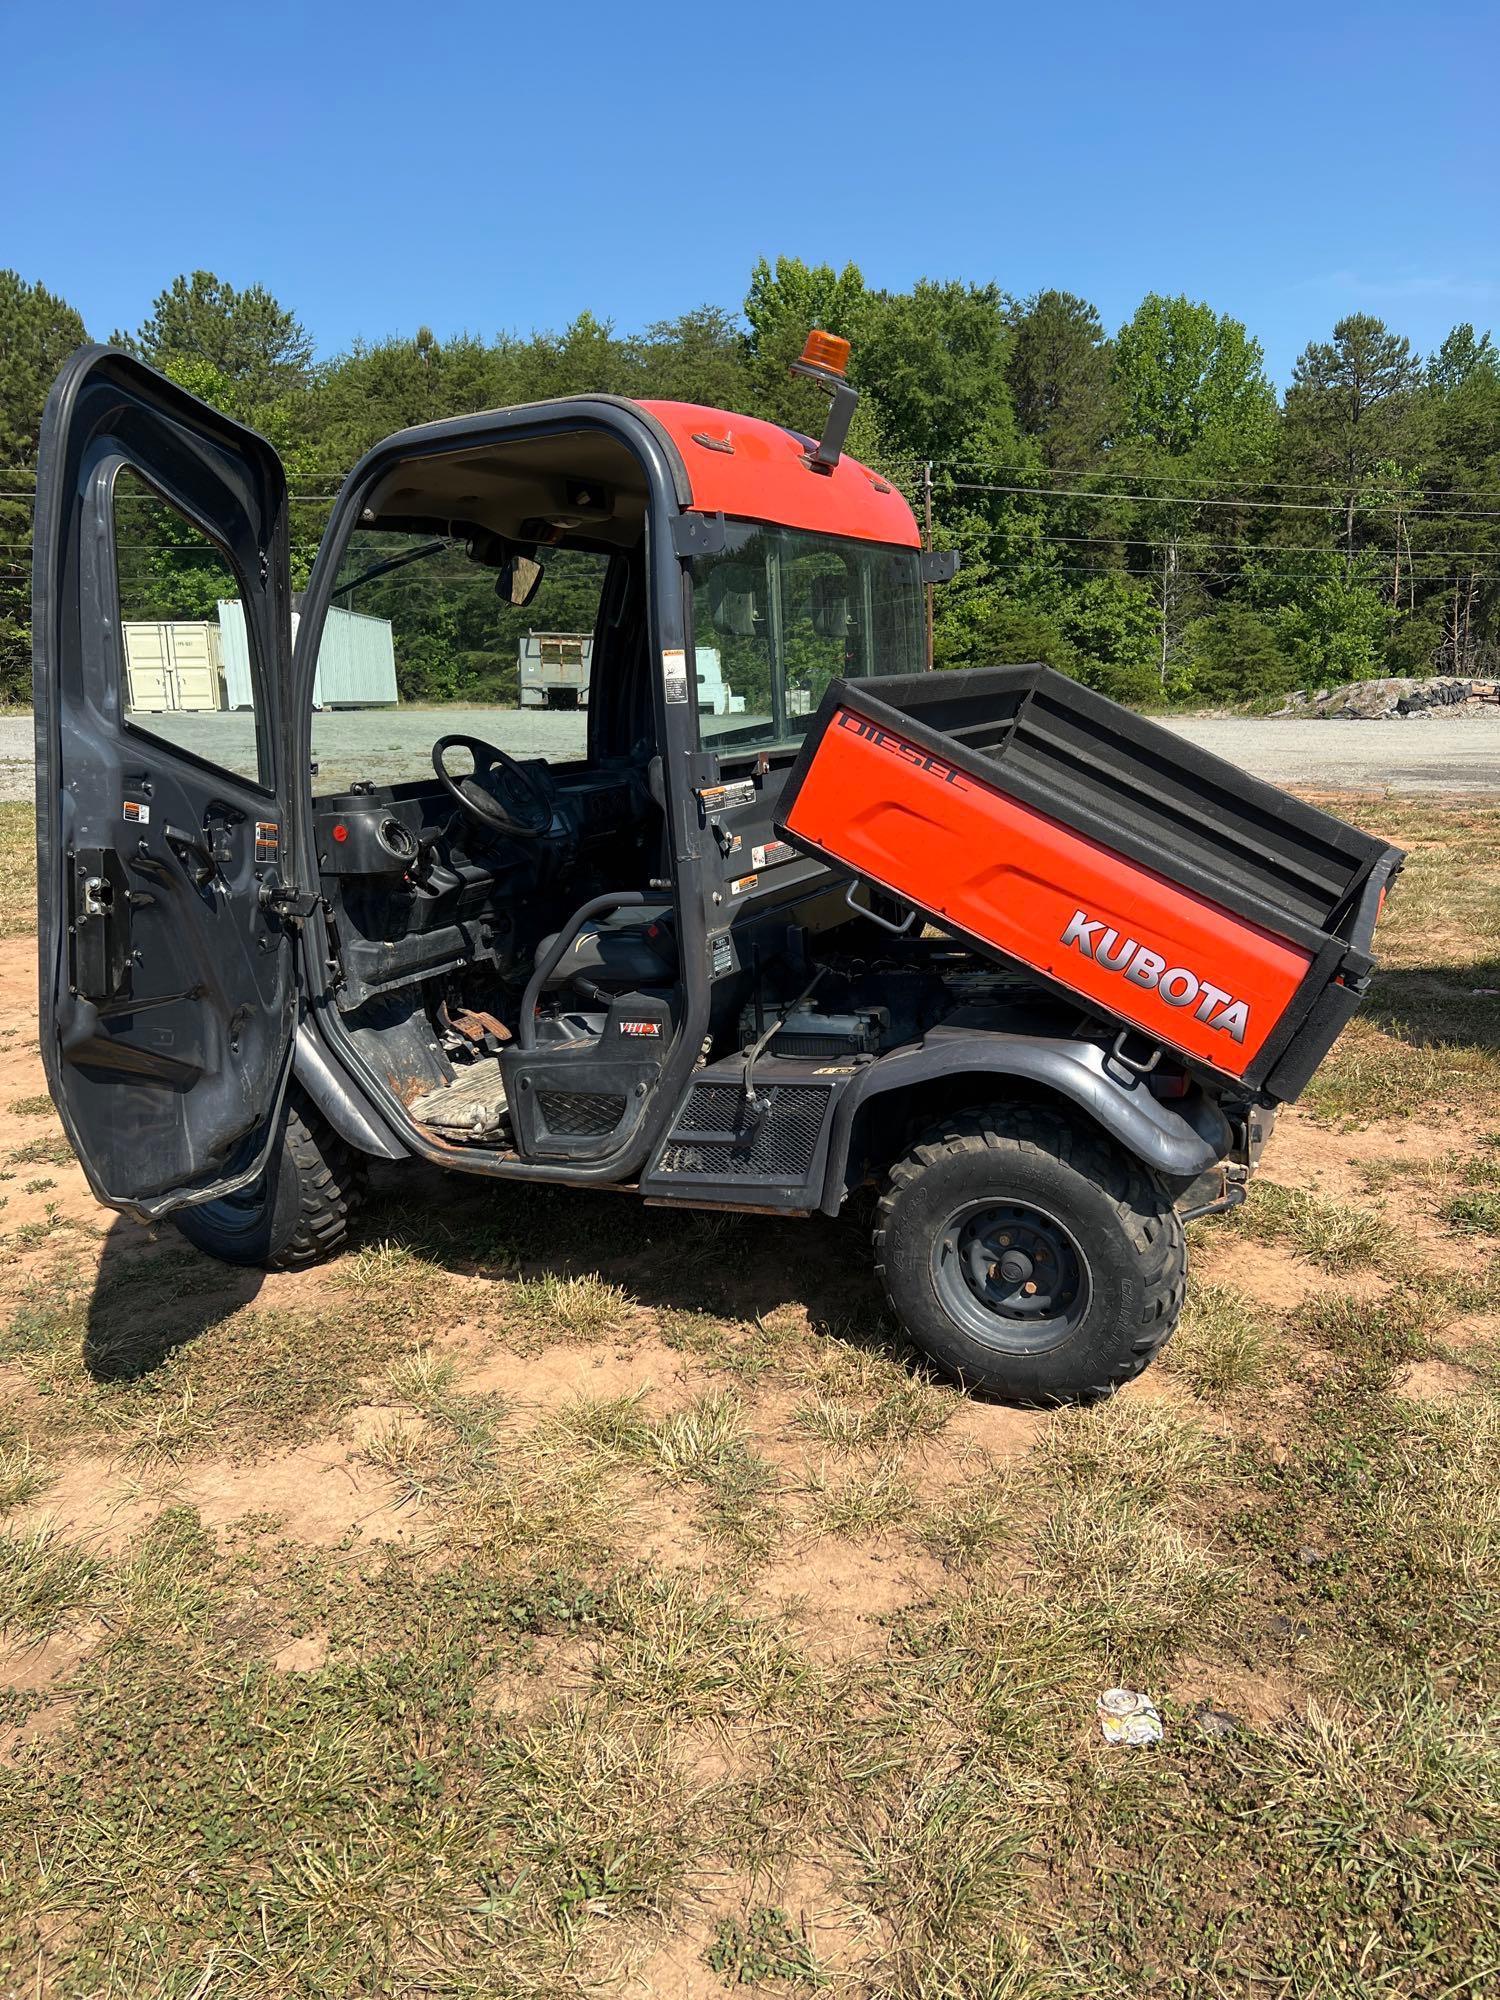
[485, 167]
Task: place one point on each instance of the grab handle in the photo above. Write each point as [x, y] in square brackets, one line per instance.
[542, 971]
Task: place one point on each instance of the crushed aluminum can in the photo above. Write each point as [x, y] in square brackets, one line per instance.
[1128, 1717]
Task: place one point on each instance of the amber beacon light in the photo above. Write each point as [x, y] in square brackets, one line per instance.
[823, 359]
[825, 351]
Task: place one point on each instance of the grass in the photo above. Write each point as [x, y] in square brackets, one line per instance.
[554, 1598]
[17, 870]
[20, 1479]
[1220, 1346]
[762, 1948]
[51, 1151]
[1334, 1236]
[43, 1577]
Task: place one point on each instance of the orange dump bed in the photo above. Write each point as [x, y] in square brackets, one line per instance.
[1165, 890]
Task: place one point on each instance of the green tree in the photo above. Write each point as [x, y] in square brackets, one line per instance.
[1460, 358]
[794, 297]
[698, 358]
[784, 302]
[1111, 621]
[1460, 523]
[1347, 406]
[1193, 407]
[1191, 383]
[38, 331]
[933, 361]
[254, 345]
[1058, 369]
[1237, 654]
[985, 629]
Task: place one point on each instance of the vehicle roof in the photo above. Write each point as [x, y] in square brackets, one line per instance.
[757, 471]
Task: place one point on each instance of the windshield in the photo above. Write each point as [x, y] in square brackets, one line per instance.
[778, 614]
[418, 642]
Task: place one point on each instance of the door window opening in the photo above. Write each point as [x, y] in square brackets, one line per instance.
[188, 676]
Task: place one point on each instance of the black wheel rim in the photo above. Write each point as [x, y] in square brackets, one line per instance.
[1011, 1275]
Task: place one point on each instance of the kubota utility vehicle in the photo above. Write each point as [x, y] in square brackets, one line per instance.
[1029, 967]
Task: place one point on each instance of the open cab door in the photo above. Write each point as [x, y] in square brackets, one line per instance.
[162, 634]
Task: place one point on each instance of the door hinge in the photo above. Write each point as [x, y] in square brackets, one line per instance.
[699, 535]
[291, 906]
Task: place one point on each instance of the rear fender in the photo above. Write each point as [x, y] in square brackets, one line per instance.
[1178, 1144]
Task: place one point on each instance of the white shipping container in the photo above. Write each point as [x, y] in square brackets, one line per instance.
[172, 664]
[356, 660]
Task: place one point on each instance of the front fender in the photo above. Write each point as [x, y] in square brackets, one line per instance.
[1169, 1141]
[339, 1101]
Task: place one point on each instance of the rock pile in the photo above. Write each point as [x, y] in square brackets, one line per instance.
[1387, 700]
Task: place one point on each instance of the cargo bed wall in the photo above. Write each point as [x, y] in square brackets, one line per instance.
[1163, 888]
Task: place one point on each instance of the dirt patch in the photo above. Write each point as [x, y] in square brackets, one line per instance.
[1435, 1382]
[46, 1661]
[1302, 1153]
[319, 1494]
[1270, 1273]
[1255, 1697]
[565, 1372]
[839, 1597]
[554, 1669]
[302, 1656]
[96, 1500]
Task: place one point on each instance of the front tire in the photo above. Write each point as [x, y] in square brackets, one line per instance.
[1030, 1258]
[296, 1214]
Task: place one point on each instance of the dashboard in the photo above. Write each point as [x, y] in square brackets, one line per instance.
[417, 888]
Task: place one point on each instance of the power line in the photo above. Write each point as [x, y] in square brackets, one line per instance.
[1050, 536]
[1148, 576]
[1412, 513]
[1180, 477]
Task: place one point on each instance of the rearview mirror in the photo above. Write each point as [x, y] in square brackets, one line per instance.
[519, 580]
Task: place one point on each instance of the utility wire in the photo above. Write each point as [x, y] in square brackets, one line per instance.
[1412, 513]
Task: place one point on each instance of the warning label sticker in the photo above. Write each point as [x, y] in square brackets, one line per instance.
[773, 852]
[674, 673]
[136, 813]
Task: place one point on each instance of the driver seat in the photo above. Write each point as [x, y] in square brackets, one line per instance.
[620, 952]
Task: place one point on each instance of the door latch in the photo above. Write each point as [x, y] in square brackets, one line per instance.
[288, 905]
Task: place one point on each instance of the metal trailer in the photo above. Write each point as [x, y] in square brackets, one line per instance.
[552, 670]
[715, 697]
[356, 659]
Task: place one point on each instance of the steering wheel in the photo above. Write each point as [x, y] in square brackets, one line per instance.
[500, 793]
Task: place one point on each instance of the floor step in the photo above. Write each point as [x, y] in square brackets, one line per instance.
[471, 1107]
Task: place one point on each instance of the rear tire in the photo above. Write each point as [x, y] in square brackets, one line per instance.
[296, 1214]
[1030, 1258]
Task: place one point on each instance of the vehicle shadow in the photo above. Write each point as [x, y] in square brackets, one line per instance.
[1437, 1005]
[740, 1267]
[153, 1293]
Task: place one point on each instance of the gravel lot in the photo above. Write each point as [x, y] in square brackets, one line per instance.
[1427, 754]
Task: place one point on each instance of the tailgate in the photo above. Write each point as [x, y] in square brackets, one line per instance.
[1159, 886]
